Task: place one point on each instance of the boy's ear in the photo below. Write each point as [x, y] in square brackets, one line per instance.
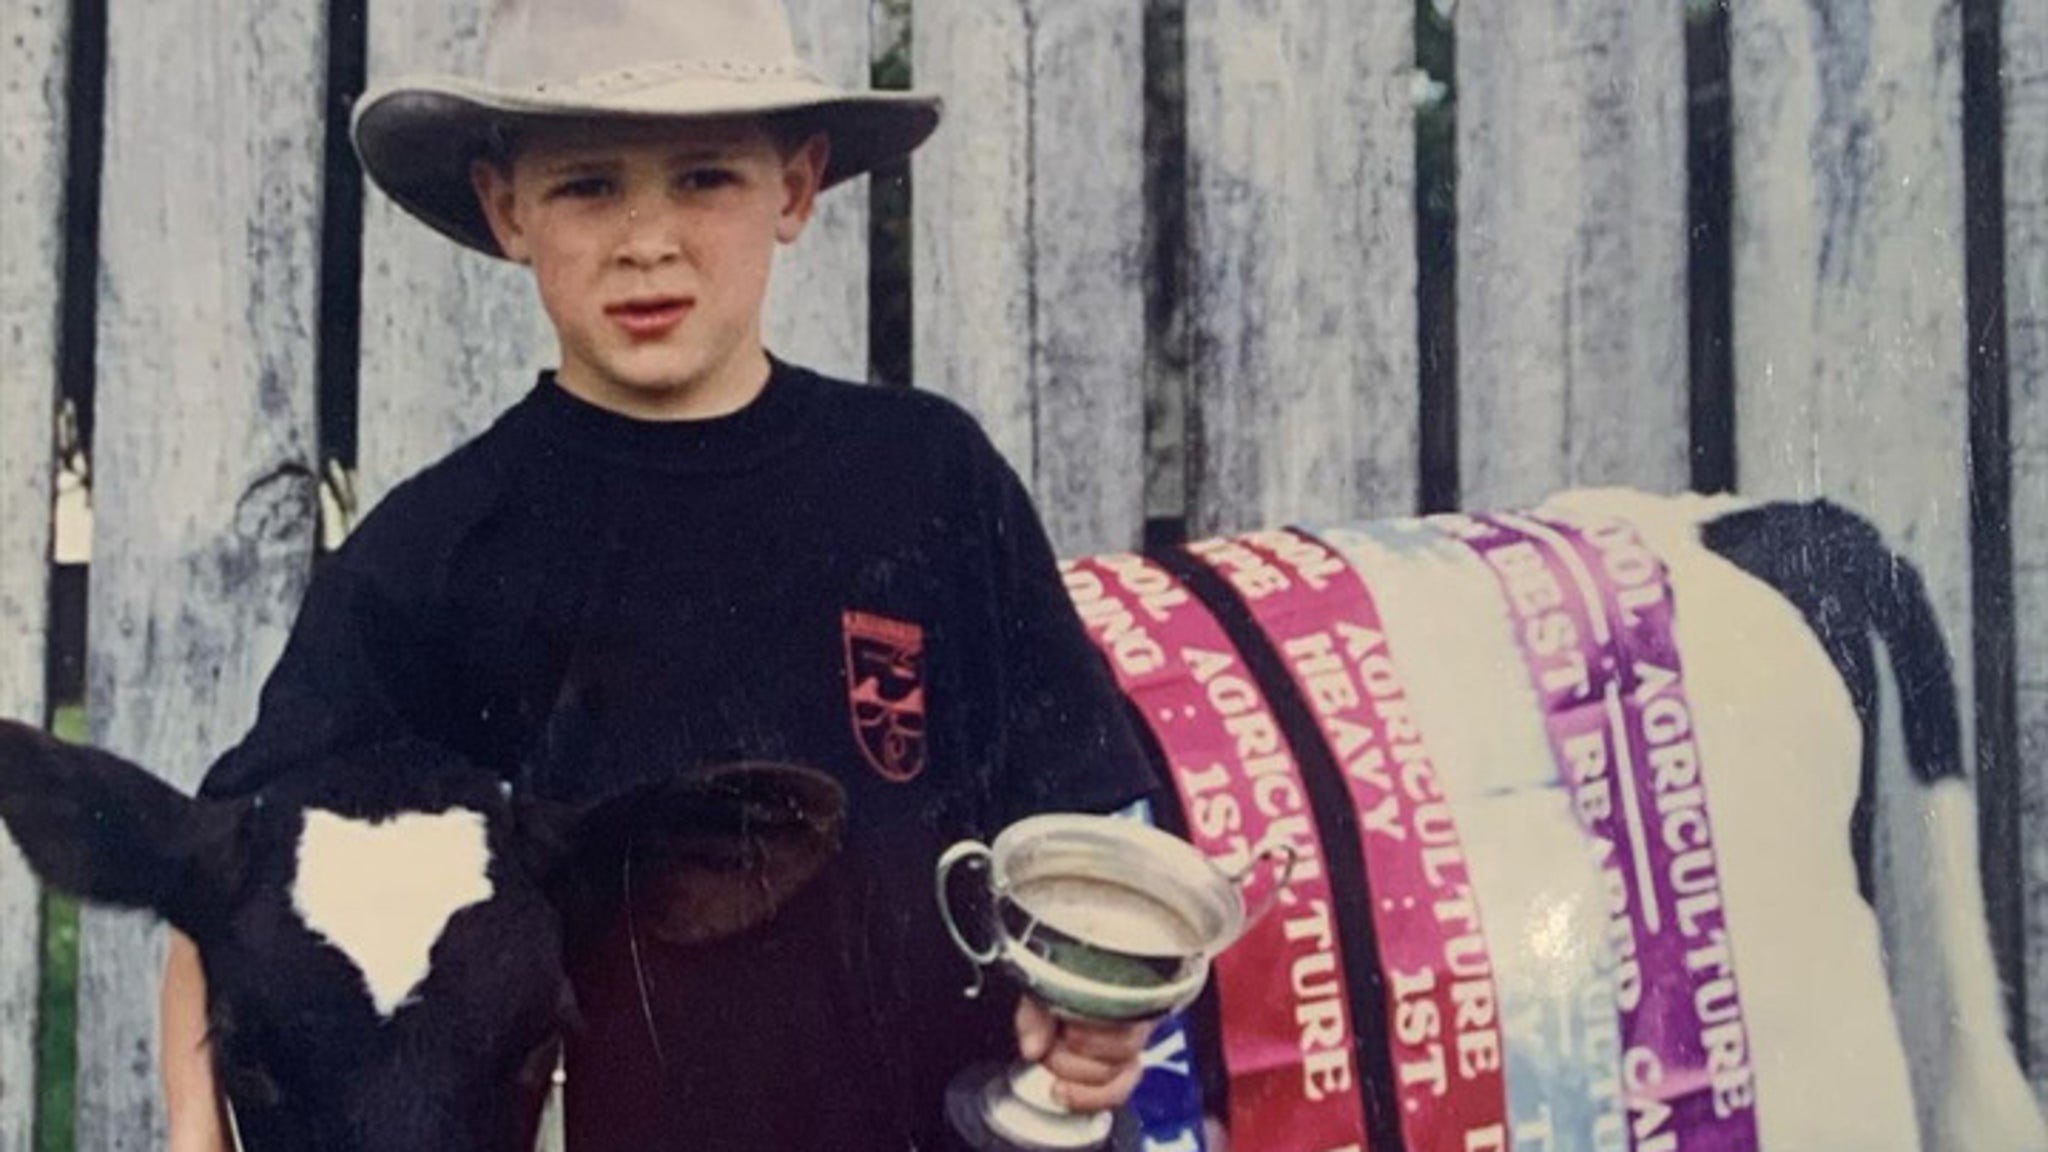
[492, 182]
[803, 173]
[103, 829]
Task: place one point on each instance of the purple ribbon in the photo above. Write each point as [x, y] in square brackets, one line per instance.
[1592, 614]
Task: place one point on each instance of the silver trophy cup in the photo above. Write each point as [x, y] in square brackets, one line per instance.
[1101, 918]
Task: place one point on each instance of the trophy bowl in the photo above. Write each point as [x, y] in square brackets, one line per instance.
[1098, 917]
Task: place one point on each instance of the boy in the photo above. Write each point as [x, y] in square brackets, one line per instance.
[677, 551]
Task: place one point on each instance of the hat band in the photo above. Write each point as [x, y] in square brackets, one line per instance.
[639, 76]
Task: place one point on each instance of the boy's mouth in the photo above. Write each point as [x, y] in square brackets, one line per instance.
[648, 316]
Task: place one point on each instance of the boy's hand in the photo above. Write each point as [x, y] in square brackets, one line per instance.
[193, 1113]
[1095, 1065]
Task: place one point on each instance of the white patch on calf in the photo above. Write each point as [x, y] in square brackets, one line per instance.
[1972, 1092]
[383, 892]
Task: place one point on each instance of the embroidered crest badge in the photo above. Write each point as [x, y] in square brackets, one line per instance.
[885, 692]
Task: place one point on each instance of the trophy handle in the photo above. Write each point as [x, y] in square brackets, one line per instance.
[964, 851]
[1254, 915]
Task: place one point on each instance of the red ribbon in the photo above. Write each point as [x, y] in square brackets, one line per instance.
[1443, 1026]
[1287, 1042]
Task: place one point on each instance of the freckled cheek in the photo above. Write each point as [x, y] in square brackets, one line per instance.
[557, 298]
[745, 258]
[568, 281]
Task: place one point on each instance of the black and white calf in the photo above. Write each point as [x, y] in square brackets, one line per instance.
[1559, 892]
[380, 937]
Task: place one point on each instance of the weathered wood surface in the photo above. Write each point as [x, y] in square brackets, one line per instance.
[449, 337]
[32, 128]
[1302, 282]
[817, 312]
[971, 256]
[2025, 38]
[1571, 275]
[1848, 264]
[1027, 253]
[1849, 318]
[204, 481]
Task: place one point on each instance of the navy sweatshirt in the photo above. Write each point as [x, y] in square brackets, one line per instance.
[841, 576]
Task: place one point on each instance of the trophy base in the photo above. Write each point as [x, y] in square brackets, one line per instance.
[988, 1117]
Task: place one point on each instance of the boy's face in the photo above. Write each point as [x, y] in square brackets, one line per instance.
[651, 245]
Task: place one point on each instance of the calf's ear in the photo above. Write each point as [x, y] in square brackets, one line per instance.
[714, 850]
[105, 830]
[743, 798]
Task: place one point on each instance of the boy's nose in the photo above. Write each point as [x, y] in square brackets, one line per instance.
[649, 239]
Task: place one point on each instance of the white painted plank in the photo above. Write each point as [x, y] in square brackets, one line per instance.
[1302, 262]
[32, 128]
[971, 257]
[1848, 257]
[1571, 273]
[817, 311]
[1087, 244]
[449, 337]
[2024, 37]
[1028, 236]
[1849, 321]
[204, 454]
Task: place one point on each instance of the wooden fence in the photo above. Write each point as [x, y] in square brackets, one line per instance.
[1238, 333]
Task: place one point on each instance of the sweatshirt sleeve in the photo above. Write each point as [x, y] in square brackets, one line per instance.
[1069, 744]
[362, 663]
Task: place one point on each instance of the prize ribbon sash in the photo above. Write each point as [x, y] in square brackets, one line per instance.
[1287, 1040]
[1526, 853]
[1592, 615]
[1444, 1031]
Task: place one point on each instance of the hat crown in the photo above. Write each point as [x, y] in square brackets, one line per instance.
[535, 43]
[551, 60]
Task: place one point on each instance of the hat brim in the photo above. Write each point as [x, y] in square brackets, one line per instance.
[417, 138]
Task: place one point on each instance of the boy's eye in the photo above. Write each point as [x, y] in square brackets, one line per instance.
[581, 188]
[700, 179]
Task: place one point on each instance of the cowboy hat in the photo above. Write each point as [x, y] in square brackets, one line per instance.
[578, 60]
